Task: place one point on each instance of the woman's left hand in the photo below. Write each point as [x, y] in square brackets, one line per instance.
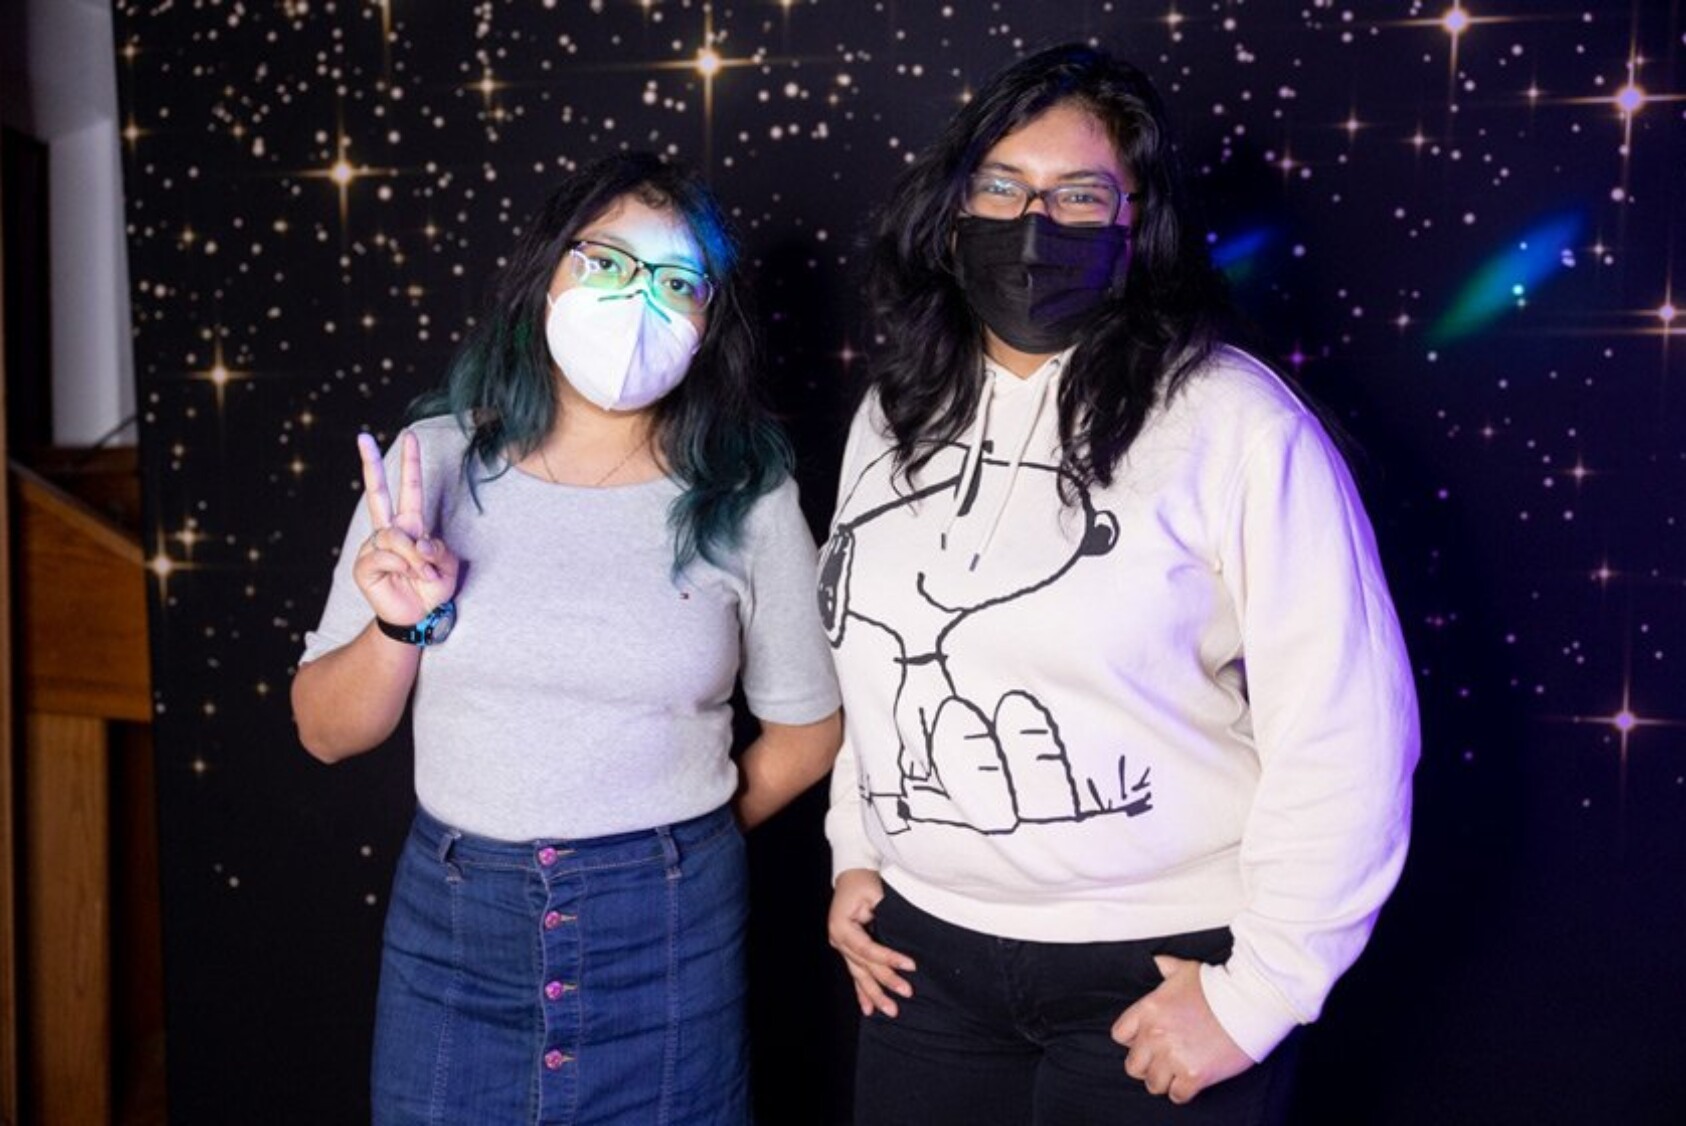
[1177, 1047]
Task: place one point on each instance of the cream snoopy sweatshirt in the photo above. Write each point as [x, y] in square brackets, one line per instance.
[1180, 702]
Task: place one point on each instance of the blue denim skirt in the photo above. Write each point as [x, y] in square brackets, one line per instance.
[598, 981]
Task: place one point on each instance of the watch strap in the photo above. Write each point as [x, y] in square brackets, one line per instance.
[422, 633]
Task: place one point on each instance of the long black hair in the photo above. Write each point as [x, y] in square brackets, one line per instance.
[715, 431]
[1139, 345]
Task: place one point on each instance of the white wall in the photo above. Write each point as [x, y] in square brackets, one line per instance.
[58, 83]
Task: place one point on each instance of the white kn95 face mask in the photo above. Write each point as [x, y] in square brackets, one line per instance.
[620, 350]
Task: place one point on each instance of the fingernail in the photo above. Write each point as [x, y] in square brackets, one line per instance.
[430, 573]
[425, 546]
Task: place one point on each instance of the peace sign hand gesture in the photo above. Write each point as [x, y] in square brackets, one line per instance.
[402, 570]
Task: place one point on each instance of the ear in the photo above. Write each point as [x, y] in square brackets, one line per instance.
[834, 584]
[1102, 535]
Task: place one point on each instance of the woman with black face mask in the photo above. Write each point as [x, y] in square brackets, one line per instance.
[1129, 724]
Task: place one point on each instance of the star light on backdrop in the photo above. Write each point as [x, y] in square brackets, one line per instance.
[708, 62]
[342, 173]
[1454, 21]
[163, 567]
[708, 65]
[1628, 102]
[218, 375]
[1621, 725]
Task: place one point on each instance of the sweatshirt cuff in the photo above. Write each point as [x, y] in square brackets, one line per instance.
[852, 854]
[1248, 1007]
[849, 846]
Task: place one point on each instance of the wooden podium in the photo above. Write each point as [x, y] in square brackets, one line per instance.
[84, 807]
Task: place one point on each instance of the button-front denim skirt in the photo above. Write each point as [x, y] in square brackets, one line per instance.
[584, 982]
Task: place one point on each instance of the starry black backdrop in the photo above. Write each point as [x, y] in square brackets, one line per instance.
[1456, 225]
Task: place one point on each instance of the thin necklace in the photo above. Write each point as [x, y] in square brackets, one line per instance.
[544, 460]
[621, 464]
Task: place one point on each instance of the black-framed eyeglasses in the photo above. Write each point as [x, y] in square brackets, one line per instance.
[597, 265]
[1093, 203]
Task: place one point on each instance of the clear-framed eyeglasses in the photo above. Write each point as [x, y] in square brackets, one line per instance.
[1091, 203]
[597, 265]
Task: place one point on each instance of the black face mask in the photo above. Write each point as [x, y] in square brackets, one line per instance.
[1034, 282]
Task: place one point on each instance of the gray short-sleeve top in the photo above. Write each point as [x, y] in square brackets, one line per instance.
[586, 689]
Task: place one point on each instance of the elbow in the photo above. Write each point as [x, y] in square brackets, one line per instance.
[319, 747]
[319, 743]
[328, 741]
[323, 739]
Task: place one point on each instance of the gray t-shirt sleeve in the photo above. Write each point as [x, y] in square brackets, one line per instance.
[787, 673]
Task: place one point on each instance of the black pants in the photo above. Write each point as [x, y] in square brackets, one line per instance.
[1000, 1032]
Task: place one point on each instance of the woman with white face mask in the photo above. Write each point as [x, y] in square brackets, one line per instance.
[592, 537]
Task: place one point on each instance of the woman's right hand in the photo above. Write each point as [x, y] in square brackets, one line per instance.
[402, 569]
[875, 969]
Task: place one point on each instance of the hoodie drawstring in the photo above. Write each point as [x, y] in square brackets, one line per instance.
[1046, 379]
[971, 468]
[973, 462]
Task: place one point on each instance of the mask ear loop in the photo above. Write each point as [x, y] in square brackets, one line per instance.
[1121, 268]
[1121, 265]
[949, 262]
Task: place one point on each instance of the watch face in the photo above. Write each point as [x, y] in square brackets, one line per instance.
[437, 625]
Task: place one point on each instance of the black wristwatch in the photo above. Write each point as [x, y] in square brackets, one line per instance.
[431, 630]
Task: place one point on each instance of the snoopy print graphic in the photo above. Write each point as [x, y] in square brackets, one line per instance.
[937, 589]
